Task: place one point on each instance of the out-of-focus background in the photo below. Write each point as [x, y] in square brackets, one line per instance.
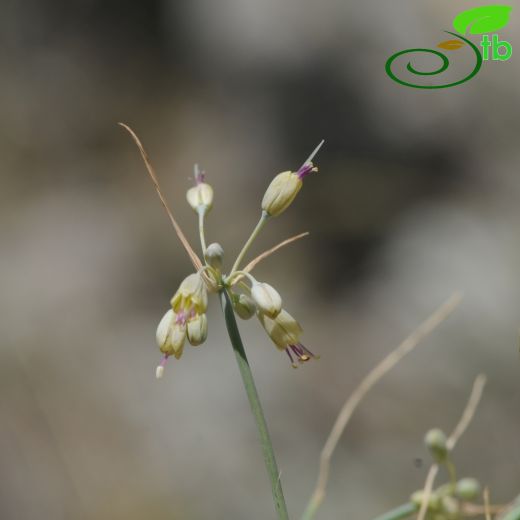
[417, 196]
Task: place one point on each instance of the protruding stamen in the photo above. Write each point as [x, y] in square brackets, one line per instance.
[159, 371]
[313, 154]
[198, 174]
[291, 358]
[311, 354]
[306, 169]
[302, 354]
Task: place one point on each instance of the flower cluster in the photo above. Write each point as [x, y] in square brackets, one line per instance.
[186, 319]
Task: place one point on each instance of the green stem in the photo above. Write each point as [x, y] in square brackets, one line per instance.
[247, 245]
[254, 402]
[452, 472]
[400, 512]
[202, 213]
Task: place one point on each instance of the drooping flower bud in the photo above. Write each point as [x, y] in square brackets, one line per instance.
[285, 333]
[267, 299]
[191, 295]
[436, 442]
[244, 306]
[171, 334]
[163, 328]
[200, 197]
[214, 255]
[197, 329]
[284, 330]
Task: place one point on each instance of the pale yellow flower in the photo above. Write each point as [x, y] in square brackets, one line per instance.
[285, 333]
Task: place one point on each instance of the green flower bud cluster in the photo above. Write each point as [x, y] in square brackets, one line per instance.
[449, 501]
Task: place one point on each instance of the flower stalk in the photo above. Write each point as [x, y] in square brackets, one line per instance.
[250, 240]
[202, 213]
[254, 402]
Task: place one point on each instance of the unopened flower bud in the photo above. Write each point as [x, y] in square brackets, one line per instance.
[214, 255]
[435, 441]
[201, 195]
[433, 503]
[191, 295]
[170, 335]
[197, 329]
[244, 306]
[467, 488]
[267, 299]
[178, 335]
[163, 328]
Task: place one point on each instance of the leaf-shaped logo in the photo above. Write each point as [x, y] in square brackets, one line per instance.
[451, 45]
[484, 19]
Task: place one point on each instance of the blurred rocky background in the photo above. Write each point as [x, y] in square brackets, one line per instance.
[417, 196]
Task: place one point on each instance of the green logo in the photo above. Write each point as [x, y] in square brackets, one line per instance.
[480, 20]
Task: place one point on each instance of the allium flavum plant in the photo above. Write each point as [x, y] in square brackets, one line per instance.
[239, 291]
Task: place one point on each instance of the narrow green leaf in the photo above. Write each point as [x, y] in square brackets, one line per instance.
[484, 19]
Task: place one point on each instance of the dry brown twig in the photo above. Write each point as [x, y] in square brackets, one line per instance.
[421, 332]
[467, 416]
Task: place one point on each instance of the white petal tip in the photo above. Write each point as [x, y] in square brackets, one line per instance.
[159, 371]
